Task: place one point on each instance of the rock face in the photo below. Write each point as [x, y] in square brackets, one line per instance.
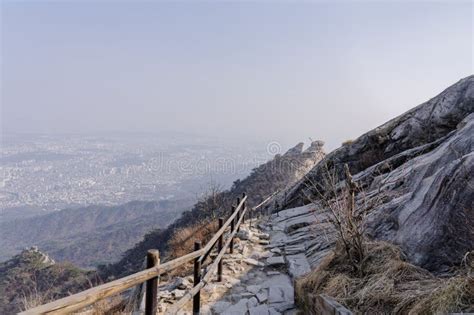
[416, 172]
[434, 218]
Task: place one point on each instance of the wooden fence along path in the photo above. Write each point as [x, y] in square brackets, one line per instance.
[154, 269]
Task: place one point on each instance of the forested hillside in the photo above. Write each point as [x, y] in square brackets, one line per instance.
[91, 235]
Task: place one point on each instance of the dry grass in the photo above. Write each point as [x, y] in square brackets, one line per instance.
[387, 284]
[373, 277]
[348, 142]
[112, 306]
[344, 214]
[182, 242]
[34, 299]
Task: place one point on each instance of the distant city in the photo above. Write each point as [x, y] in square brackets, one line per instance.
[56, 172]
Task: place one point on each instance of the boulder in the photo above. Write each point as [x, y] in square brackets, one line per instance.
[240, 308]
[220, 307]
[262, 296]
[276, 251]
[252, 302]
[244, 234]
[298, 265]
[253, 288]
[179, 283]
[264, 236]
[280, 294]
[177, 294]
[275, 261]
[259, 310]
[253, 262]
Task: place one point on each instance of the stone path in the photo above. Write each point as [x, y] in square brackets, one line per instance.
[257, 278]
[304, 236]
[260, 283]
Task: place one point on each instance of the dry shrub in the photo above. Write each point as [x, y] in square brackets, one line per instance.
[182, 241]
[344, 215]
[34, 299]
[387, 284]
[211, 200]
[111, 306]
[374, 277]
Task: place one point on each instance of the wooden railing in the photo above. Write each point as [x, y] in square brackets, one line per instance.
[154, 269]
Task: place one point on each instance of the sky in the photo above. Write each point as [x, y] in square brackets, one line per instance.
[283, 71]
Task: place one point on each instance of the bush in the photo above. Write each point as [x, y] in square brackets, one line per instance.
[348, 142]
[346, 219]
[182, 241]
[372, 276]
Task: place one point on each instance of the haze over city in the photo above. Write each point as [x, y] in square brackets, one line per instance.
[293, 70]
[236, 157]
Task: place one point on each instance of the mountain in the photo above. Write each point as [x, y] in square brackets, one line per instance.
[414, 188]
[415, 175]
[91, 235]
[32, 278]
[277, 174]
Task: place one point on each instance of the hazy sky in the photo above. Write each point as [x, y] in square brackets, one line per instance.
[281, 71]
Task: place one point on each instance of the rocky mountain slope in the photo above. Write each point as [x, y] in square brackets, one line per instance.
[415, 180]
[91, 235]
[414, 188]
[279, 173]
[33, 278]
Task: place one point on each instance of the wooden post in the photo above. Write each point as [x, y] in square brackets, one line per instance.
[152, 260]
[250, 217]
[219, 248]
[243, 207]
[232, 226]
[238, 215]
[197, 279]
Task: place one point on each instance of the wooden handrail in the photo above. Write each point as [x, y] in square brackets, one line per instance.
[221, 231]
[266, 200]
[88, 297]
[189, 295]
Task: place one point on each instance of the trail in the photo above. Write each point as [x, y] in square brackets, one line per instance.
[258, 278]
